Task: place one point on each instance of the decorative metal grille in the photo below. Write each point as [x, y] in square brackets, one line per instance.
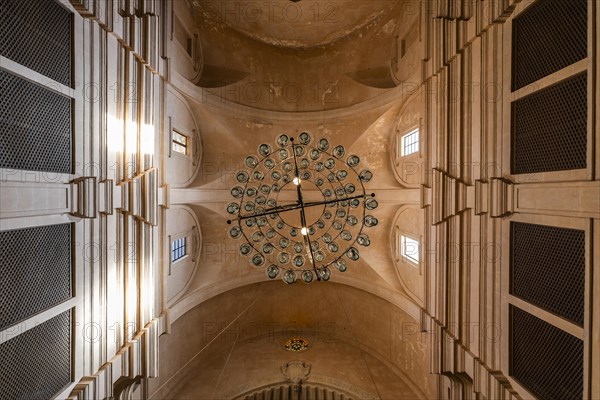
[37, 36]
[288, 392]
[548, 37]
[35, 126]
[548, 268]
[549, 128]
[544, 359]
[36, 365]
[35, 271]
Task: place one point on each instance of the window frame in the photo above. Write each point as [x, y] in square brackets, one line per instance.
[177, 244]
[413, 146]
[403, 253]
[184, 144]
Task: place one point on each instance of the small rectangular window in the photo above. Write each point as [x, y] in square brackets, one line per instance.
[402, 48]
[409, 248]
[189, 48]
[180, 143]
[178, 249]
[410, 143]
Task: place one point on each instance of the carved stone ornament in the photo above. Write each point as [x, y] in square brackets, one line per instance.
[296, 372]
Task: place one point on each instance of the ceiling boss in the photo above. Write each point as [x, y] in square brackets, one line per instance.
[301, 209]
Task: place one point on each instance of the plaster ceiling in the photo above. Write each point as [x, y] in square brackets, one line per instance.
[265, 62]
[227, 139]
[294, 24]
[235, 342]
[245, 98]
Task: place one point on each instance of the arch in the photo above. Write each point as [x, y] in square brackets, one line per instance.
[408, 170]
[319, 388]
[200, 295]
[242, 345]
[185, 40]
[195, 257]
[408, 278]
[384, 100]
[125, 387]
[194, 133]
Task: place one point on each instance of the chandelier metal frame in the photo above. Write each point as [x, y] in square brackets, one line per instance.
[269, 239]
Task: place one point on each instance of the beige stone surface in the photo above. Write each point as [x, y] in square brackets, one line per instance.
[232, 74]
[237, 339]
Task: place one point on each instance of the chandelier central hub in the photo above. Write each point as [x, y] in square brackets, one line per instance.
[310, 194]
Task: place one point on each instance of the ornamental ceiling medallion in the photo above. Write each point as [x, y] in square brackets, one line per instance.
[296, 345]
[301, 208]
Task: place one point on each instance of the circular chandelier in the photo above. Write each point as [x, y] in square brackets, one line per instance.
[301, 208]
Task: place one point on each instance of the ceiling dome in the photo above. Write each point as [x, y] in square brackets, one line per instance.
[293, 24]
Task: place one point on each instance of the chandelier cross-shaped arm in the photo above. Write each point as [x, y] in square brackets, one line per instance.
[291, 207]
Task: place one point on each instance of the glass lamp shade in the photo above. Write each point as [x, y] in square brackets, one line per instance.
[258, 260]
[371, 221]
[298, 261]
[235, 232]
[283, 258]
[323, 145]
[366, 175]
[341, 265]
[272, 271]
[289, 277]
[353, 161]
[233, 208]
[307, 276]
[283, 140]
[242, 177]
[245, 249]
[339, 151]
[363, 240]
[371, 204]
[237, 192]
[251, 161]
[304, 138]
[325, 274]
[264, 149]
[346, 235]
[353, 254]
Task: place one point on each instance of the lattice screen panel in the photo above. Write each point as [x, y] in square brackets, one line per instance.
[544, 359]
[548, 268]
[35, 271]
[549, 128]
[547, 37]
[36, 365]
[287, 392]
[37, 34]
[35, 126]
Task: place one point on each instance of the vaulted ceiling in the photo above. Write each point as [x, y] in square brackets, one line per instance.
[295, 26]
[255, 54]
[254, 75]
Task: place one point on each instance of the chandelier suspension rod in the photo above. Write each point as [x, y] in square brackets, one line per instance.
[305, 231]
